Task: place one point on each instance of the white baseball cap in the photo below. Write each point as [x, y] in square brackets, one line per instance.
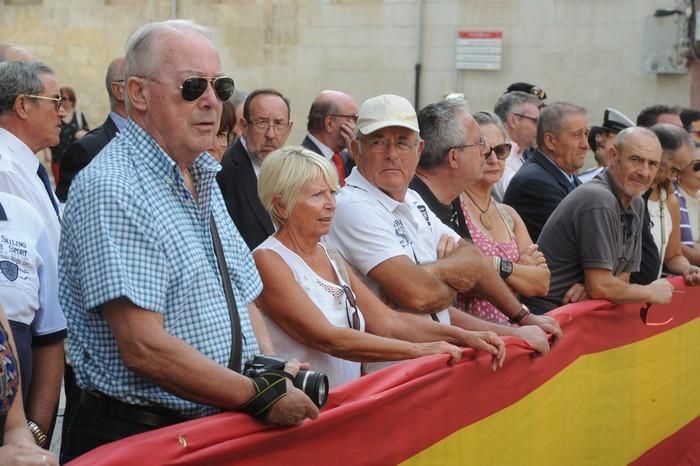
[384, 111]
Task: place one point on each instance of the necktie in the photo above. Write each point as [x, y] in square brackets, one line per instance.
[338, 161]
[44, 177]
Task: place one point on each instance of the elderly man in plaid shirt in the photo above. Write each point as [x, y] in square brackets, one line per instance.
[149, 325]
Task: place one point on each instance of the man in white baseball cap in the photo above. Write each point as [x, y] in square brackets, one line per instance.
[385, 230]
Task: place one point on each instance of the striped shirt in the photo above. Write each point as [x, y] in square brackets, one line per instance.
[686, 229]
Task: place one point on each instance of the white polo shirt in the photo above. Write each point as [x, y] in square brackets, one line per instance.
[28, 268]
[18, 176]
[370, 227]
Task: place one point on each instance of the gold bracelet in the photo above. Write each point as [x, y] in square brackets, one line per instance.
[39, 437]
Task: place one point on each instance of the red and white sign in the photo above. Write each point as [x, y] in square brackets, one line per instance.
[479, 50]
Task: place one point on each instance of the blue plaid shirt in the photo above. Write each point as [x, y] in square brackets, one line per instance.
[132, 229]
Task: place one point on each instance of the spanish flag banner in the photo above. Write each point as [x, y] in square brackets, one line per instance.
[621, 387]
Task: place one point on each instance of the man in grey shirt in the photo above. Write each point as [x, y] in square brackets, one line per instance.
[594, 236]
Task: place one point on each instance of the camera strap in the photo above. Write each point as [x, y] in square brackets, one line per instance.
[234, 362]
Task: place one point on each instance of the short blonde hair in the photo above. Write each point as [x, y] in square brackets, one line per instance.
[286, 171]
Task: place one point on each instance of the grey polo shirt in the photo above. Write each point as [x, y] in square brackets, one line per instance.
[589, 229]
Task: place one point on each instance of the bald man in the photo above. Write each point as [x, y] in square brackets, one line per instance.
[10, 52]
[82, 151]
[331, 125]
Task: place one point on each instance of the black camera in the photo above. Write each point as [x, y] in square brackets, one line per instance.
[313, 383]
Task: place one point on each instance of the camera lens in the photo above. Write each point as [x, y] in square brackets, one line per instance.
[314, 384]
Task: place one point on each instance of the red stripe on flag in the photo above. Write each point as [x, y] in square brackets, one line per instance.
[681, 448]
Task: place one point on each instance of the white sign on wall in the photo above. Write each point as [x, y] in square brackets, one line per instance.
[479, 50]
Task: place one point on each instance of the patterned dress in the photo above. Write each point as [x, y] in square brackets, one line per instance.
[9, 380]
[481, 308]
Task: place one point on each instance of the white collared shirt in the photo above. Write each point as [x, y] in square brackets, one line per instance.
[370, 227]
[18, 176]
[28, 268]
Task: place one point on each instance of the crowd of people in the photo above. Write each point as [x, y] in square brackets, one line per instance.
[186, 236]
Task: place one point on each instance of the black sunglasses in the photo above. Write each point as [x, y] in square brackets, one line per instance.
[350, 302]
[194, 87]
[502, 151]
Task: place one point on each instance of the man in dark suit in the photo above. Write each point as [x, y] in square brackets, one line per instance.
[82, 151]
[267, 124]
[331, 128]
[539, 186]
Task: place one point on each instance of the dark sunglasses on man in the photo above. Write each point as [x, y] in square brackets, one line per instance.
[502, 151]
[194, 86]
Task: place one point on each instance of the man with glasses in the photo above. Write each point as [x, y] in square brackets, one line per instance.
[82, 151]
[267, 124]
[331, 125]
[392, 237]
[594, 235]
[30, 118]
[146, 254]
[519, 112]
[449, 162]
[539, 186]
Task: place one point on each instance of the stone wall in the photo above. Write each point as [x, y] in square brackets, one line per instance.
[588, 52]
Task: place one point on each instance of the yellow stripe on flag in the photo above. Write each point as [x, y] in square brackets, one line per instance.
[605, 408]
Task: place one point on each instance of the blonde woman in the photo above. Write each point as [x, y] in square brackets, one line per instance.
[317, 310]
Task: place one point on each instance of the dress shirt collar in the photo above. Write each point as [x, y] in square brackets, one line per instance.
[356, 180]
[253, 160]
[327, 151]
[161, 164]
[119, 121]
[569, 176]
[25, 157]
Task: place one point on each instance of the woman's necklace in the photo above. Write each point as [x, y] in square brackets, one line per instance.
[483, 218]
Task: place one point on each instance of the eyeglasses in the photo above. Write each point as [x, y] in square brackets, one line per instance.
[277, 125]
[340, 115]
[58, 101]
[381, 146]
[502, 151]
[527, 117]
[194, 86]
[481, 144]
[351, 302]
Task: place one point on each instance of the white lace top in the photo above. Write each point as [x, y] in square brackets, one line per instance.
[330, 299]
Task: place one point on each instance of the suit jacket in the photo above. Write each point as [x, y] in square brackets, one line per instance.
[80, 153]
[348, 162]
[239, 186]
[536, 190]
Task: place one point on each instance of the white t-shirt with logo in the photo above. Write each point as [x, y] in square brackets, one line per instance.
[370, 227]
[28, 272]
